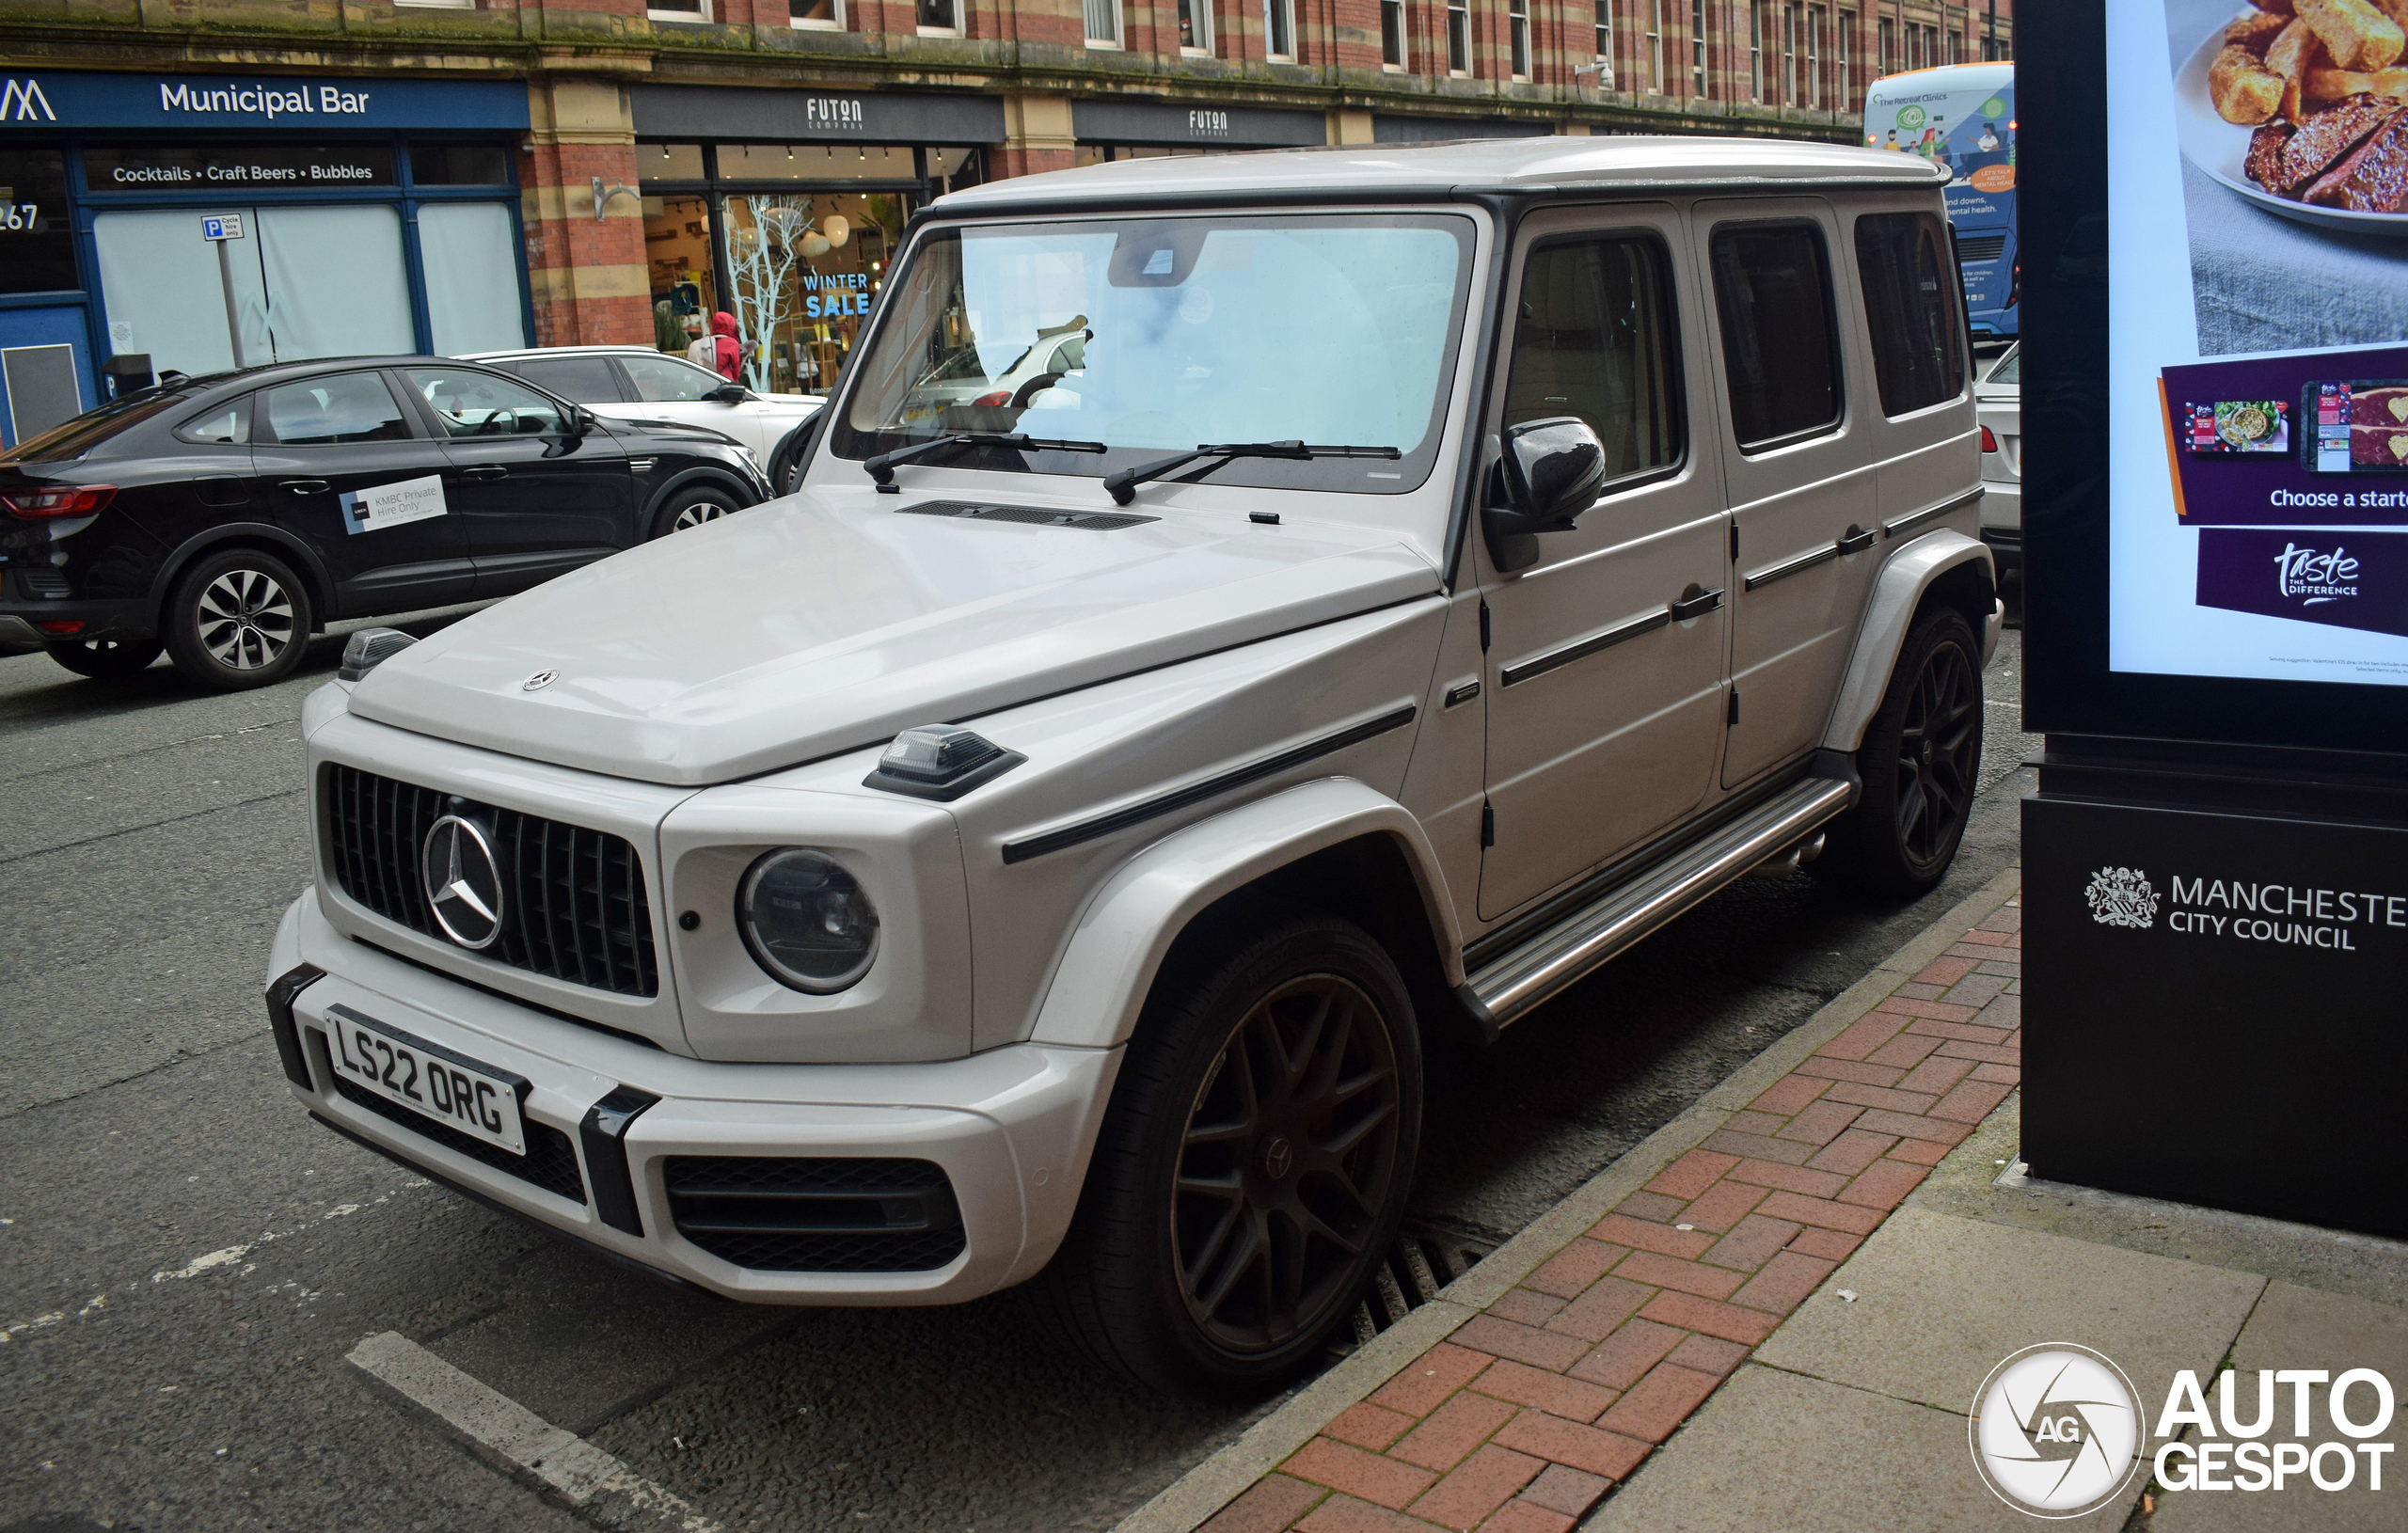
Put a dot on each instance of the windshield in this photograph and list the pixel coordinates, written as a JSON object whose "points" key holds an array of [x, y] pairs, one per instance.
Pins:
{"points": [[1158, 335]]}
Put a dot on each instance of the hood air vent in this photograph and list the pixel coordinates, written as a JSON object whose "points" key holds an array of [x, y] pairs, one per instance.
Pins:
{"points": [[1090, 521]]}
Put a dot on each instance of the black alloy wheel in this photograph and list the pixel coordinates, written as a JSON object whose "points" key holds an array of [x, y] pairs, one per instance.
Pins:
{"points": [[1921, 762], [237, 619], [1253, 1166], [1289, 1154], [106, 659], [1938, 753], [690, 507]]}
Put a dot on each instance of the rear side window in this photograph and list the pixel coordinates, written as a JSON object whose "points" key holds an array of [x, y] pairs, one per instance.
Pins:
{"points": [[586, 380], [228, 425], [1910, 296], [1597, 340], [1781, 355], [327, 412]]}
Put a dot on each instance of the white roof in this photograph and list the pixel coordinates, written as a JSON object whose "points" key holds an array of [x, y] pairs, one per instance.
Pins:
{"points": [[1618, 163]]}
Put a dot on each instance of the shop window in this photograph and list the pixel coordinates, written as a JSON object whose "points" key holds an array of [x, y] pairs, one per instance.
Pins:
{"points": [[1194, 26], [1596, 339], [1458, 37], [1392, 53], [37, 243], [819, 15], [668, 161], [1102, 22], [469, 251], [942, 18], [1910, 286], [472, 401], [678, 11], [459, 164], [802, 269], [1518, 16], [333, 412], [1780, 359], [1280, 30]]}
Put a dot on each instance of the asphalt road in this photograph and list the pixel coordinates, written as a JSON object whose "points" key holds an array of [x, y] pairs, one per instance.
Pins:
{"points": [[185, 1258]]}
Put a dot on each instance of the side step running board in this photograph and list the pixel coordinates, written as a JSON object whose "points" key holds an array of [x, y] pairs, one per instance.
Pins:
{"points": [[1502, 992]]}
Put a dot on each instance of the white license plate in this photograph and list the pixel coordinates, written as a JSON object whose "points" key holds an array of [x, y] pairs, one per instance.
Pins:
{"points": [[428, 1078]]}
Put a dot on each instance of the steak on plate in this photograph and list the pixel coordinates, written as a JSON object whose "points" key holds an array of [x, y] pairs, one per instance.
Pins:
{"points": [[2372, 178], [2326, 136]]}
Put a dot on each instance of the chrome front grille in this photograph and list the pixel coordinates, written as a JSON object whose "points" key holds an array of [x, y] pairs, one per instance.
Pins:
{"points": [[575, 906]]}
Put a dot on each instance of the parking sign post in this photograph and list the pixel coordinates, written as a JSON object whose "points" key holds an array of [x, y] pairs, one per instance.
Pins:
{"points": [[222, 230]]}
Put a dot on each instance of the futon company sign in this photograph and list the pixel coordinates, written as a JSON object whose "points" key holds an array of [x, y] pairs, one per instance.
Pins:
{"points": [[50, 99]]}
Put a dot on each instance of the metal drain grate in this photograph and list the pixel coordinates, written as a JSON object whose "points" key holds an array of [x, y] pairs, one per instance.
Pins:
{"points": [[1423, 1260]]}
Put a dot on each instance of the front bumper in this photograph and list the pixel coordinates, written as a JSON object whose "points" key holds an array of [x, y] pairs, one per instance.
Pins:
{"points": [[1011, 1128]]}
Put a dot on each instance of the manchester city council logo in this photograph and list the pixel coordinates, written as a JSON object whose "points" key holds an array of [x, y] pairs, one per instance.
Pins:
{"points": [[2056, 1431], [2122, 897]]}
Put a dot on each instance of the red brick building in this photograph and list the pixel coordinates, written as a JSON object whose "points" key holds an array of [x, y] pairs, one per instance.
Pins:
{"points": [[722, 136]]}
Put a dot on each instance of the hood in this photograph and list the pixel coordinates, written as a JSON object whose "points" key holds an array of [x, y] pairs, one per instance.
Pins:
{"points": [[817, 625], [723, 324]]}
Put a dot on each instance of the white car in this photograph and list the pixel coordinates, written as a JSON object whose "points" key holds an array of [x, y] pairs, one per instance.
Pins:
{"points": [[1998, 404], [636, 383], [1039, 854]]}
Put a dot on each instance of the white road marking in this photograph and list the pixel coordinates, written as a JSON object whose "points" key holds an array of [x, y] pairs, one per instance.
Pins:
{"points": [[582, 1472]]}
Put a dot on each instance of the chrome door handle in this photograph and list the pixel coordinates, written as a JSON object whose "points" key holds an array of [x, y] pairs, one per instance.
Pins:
{"points": [[485, 471], [1697, 606], [303, 487]]}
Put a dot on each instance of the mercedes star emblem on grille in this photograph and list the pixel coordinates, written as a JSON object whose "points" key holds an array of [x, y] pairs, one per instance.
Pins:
{"points": [[537, 682], [462, 882]]}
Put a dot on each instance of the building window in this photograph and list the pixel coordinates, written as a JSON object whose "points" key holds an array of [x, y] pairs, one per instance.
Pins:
{"points": [[1517, 17], [1756, 50], [1697, 49], [1655, 46], [1606, 39], [943, 17], [1104, 22], [1194, 26], [1278, 29], [1392, 53], [1844, 97], [1791, 23], [1885, 39], [678, 11], [1458, 37], [817, 15]]}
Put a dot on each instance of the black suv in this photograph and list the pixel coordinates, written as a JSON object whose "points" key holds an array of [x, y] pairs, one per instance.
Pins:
{"points": [[224, 518]]}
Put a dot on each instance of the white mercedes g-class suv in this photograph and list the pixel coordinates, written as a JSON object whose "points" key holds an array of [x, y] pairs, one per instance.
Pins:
{"points": [[1041, 845]]}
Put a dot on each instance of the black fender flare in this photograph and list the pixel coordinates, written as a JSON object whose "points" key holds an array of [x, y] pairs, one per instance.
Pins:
{"points": [[685, 479], [292, 549]]}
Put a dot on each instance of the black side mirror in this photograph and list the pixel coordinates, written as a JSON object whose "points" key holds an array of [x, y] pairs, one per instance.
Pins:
{"points": [[581, 422], [1547, 475], [729, 393]]}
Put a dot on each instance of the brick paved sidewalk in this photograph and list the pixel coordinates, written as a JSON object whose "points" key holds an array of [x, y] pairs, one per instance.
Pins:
{"points": [[1536, 1406]]}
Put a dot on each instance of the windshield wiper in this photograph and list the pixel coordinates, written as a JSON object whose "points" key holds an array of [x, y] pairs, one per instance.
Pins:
{"points": [[1123, 485], [882, 468]]}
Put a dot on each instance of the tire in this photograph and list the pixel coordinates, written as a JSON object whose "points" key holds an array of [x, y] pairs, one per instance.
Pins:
{"points": [[237, 619], [1920, 761], [691, 507], [1215, 1157], [106, 659]]}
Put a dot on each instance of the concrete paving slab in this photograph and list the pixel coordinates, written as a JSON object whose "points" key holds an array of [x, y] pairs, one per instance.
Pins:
{"points": [[2300, 1328], [1942, 1301], [1776, 1450]]}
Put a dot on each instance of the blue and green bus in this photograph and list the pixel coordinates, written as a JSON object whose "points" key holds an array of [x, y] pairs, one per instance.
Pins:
{"points": [[1962, 116]]}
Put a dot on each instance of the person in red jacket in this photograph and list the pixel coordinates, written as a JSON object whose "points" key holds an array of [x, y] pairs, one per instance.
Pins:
{"points": [[728, 351]]}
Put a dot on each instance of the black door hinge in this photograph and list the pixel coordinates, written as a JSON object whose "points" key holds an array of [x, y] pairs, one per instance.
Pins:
{"points": [[1488, 824], [1734, 543], [1734, 707], [1483, 628]]}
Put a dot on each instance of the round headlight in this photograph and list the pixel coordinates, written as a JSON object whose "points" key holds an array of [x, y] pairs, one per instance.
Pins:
{"points": [[807, 921]]}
